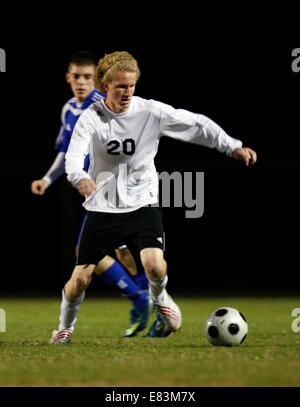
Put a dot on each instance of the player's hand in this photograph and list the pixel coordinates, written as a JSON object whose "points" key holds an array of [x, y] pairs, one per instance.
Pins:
{"points": [[86, 187], [245, 154], [39, 186]]}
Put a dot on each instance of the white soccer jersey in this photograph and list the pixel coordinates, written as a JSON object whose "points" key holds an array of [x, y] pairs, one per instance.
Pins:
{"points": [[122, 147]]}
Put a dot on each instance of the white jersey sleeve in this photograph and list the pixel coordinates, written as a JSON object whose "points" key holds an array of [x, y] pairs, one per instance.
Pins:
{"points": [[78, 149], [195, 128]]}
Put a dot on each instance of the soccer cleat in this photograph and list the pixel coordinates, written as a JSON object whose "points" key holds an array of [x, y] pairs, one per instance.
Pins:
{"points": [[138, 319], [159, 328], [62, 336], [169, 311]]}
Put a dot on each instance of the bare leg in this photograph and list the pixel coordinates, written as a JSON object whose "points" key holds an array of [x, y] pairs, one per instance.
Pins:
{"points": [[125, 257], [103, 265], [156, 269], [169, 314], [79, 281], [73, 295]]}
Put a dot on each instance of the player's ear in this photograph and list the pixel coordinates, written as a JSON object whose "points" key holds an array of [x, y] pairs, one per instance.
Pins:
{"points": [[104, 86], [68, 77]]}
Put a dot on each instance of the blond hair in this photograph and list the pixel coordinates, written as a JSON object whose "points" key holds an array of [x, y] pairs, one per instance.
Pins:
{"points": [[112, 63]]}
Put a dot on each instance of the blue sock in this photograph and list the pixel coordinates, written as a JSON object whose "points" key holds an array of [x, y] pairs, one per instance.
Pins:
{"points": [[116, 275], [142, 281]]}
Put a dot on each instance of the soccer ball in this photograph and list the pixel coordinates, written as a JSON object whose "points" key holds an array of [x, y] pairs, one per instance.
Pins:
{"points": [[226, 327]]}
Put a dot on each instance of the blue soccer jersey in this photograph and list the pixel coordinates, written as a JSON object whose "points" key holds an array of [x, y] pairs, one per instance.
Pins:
{"points": [[70, 114]]}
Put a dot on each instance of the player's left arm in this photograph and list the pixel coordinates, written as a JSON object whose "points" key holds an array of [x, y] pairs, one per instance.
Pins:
{"points": [[245, 154], [199, 129]]}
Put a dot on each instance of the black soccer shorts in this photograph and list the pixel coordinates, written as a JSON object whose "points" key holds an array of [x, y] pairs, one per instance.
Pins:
{"points": [[104, 231]]}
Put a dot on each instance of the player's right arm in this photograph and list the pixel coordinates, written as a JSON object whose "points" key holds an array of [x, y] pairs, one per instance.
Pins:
{"points": [[86, 186], [39, 186], [77, 151], [57, 169]]}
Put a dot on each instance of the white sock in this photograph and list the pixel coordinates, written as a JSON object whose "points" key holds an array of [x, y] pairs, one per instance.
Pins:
{"points": [[68, 312], [157, 288]]}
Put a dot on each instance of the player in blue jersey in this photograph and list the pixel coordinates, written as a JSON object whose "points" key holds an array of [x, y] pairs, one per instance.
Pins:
{"points": [[80, 76]]}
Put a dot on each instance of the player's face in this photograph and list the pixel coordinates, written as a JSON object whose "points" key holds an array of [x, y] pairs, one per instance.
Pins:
{"points": [[81, 80], [120, 91]]}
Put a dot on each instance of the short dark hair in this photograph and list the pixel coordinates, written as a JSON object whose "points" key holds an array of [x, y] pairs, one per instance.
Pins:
{"points": [[82, 58]]}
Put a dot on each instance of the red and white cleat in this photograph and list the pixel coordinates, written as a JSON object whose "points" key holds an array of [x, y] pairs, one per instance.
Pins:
{"points": [[62, 336], [169, 311]]}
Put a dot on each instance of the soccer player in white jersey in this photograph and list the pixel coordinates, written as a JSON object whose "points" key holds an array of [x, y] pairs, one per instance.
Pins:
{"points": [[121, 133], [80, 76]]}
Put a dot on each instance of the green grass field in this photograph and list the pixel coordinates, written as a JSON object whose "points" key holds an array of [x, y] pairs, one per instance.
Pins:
{"points": [[99, 356]]}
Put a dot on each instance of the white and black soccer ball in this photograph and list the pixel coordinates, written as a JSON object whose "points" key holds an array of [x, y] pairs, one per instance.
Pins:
{"points": [[226, 326]]}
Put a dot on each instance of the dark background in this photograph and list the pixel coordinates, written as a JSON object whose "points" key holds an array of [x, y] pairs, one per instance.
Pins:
{"points": [[247, 241]]}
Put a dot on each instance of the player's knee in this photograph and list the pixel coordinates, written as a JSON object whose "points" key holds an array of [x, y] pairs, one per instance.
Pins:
{"points": [[155, 268], [82, 281]]}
